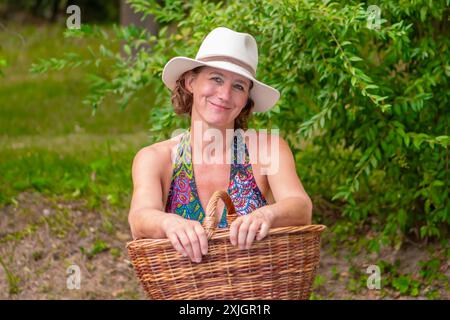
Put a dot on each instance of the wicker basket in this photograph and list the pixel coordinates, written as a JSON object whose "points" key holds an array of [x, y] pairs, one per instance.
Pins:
{"points": [[281, 266]]}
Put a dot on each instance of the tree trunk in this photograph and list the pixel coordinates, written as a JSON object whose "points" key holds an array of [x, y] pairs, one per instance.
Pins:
{"points": [[129, 17]]}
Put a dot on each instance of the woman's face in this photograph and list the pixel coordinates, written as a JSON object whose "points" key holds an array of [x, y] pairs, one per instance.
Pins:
{"points": [[218, 96]]}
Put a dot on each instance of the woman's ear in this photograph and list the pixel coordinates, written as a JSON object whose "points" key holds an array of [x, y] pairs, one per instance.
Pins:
{"points": [[190, 77]]}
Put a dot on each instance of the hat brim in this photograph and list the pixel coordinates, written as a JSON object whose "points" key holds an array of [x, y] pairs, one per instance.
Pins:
{"points": [[264, 96]]}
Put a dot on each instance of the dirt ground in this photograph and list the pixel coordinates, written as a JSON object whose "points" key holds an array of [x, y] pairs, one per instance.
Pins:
{"points": [[40, 238]]}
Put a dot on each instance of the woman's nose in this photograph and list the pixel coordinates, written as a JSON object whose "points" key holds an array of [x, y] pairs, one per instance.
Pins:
{"points": [[224, 92]]}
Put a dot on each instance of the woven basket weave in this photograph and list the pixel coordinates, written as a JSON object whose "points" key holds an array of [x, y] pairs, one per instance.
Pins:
{"points": [[281, 266]]}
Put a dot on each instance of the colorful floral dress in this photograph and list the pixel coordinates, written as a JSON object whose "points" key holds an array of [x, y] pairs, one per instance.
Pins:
{"points": [[183, 198]]}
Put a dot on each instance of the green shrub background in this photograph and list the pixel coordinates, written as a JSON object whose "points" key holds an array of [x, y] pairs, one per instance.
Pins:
{"points": [[364, 109]]}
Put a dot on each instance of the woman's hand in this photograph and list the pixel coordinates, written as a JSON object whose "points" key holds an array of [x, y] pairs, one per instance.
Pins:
{"points": [[187, 236], [244, 229]]}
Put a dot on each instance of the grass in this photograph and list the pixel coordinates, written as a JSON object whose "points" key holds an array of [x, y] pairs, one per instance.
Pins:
{"points": [[49, 140], [51, 143], [13, 280], [98, 170]]}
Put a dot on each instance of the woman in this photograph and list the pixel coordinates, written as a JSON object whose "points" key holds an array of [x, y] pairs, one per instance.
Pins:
{"points": [[219, 91]]}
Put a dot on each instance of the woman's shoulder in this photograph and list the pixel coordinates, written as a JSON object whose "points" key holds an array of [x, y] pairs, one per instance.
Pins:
{"points": [[159, 152]]}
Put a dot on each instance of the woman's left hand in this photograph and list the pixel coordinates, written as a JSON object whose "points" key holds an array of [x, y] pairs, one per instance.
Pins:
{"points": [[244, 229]]}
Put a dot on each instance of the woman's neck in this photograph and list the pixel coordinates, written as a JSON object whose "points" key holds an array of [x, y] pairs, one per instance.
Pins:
{"points": [[211, 144]]}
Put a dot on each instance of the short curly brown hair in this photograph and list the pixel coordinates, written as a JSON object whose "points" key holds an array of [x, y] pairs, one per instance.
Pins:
{"points": [[182, 101]]}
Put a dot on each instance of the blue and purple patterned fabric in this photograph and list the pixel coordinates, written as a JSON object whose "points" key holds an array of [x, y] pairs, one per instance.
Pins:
{"points": [[243, 190]]}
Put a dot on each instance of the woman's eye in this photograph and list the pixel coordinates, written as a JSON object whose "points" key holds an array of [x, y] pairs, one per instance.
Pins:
{"points": [[219, 80]]}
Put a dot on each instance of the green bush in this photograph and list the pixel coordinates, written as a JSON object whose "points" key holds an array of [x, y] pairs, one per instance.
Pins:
{"points": [[365, 109]]}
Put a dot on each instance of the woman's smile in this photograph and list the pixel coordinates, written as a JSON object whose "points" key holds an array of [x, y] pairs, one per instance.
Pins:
{"points": [[218, 107]]}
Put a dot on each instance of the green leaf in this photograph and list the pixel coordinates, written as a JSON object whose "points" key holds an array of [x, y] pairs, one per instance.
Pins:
{"points": [[355, 58], [371, 86], [127, 49]]}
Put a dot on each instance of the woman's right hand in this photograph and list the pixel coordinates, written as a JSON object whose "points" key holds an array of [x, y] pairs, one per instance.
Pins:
{"points": [[188, 237]]}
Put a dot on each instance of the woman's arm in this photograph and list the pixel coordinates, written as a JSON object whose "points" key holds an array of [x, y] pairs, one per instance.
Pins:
{"points": [[146, 209], [292, 204], [146, 216]]}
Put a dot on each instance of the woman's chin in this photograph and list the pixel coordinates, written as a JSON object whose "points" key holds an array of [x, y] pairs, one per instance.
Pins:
{"points": [[217, 120]]}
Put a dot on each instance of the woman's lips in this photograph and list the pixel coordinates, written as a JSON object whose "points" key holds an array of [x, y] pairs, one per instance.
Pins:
{"points": [[218, 106]]}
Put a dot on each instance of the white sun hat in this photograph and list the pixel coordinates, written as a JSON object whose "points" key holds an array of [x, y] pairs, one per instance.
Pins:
{"points": [[228, 50]]}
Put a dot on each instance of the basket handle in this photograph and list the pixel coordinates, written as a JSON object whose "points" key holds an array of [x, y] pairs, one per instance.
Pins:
{"points": [[210, 221]]}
